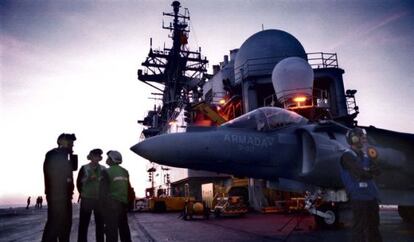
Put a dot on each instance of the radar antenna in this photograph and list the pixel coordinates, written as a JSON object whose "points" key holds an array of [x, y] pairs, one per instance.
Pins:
{"points": [[180, 71]]}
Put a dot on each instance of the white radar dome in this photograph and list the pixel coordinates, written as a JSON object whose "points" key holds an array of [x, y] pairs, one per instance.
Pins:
{"points": [[291, 77]]}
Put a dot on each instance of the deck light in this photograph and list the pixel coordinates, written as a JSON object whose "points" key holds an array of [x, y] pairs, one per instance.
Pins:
{"points": [[299, 99]]}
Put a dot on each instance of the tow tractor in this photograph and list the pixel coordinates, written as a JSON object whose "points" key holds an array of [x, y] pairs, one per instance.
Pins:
{"points": [[192, 208], [195, 209], [230, 206], [159, 200]]}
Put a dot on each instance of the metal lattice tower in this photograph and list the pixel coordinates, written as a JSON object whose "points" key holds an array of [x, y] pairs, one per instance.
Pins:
{"points": [[179, 70]]}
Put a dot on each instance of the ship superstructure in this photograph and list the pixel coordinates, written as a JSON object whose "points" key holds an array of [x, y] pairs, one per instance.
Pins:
{"points": [[250, 77], [178, 70]]}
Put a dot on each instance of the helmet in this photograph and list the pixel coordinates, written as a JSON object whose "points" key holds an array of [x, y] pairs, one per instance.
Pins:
{"points": [[94, 152], [63, 136], [353, 136], [115, 156]]}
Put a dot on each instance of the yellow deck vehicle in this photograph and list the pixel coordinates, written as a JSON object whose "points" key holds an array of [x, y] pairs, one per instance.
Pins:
{"points": [[166, 204], [195, 209], [230, 206]]}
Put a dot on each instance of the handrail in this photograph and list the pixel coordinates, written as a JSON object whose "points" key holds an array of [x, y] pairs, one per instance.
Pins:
{"points": [[322, 60], [316, 60]]}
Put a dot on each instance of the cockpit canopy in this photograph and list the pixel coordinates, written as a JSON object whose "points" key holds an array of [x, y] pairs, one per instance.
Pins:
{"points": [[266, 119]]}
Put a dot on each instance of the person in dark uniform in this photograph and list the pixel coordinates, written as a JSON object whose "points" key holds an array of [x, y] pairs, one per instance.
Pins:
{"points": [[114, 194], [28, 203], [357, 173], [57, 168], [40, 201], [87, 183], [37, 203]]}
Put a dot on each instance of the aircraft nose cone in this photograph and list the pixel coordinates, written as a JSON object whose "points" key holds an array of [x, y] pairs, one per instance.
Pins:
{"points": [[177, 149], [145, 149]]}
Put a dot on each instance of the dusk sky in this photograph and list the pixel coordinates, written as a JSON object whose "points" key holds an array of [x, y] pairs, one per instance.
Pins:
{"points": [[70, 66]]}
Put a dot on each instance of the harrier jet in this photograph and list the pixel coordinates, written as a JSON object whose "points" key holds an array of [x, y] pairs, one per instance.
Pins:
{"points": [[290, 152]]}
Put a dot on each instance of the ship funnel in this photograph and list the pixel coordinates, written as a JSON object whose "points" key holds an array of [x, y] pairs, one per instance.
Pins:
{"points": [[292, 80]]}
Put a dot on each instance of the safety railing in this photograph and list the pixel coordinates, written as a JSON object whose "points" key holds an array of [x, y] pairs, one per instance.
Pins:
{"points": [[322, 60], [264, 66]]}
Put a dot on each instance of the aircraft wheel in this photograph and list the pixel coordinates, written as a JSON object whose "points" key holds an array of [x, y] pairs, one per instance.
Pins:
{"points": [[406, 213], [328, 223]]}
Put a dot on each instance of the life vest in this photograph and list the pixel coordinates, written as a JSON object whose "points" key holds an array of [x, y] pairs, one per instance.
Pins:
{"points": [[90, 181], [118, 183], [362, 190]]}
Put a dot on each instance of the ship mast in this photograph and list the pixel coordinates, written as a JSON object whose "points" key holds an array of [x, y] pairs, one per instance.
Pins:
{"points": [[180, 71]]}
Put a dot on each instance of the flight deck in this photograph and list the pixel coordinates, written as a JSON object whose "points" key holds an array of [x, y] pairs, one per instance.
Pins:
{"points": [[27, 225]]}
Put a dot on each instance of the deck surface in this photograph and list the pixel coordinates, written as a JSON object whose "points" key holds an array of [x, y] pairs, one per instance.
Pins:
{"points": [[27, 225]]}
